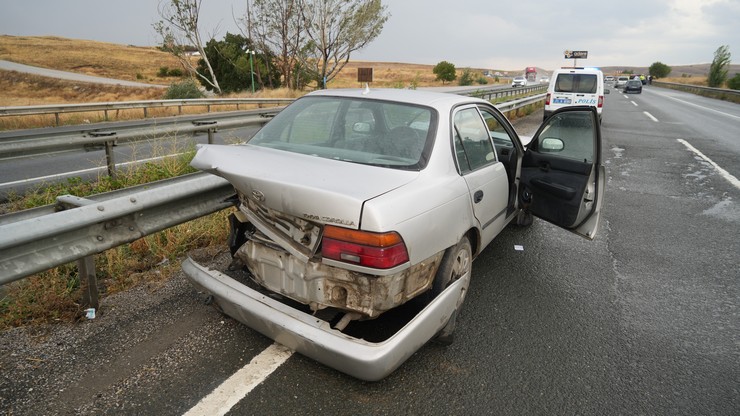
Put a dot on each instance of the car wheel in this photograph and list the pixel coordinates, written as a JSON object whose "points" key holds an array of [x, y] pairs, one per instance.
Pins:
{"points": [[457, 261]]}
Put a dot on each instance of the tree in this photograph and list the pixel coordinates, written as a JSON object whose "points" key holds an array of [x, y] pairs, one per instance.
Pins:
{"points": [[445, 72], [276, 28], [230, 63], [659, 70], [718, 68], [335, 29], [179, 30], [734, 82]]}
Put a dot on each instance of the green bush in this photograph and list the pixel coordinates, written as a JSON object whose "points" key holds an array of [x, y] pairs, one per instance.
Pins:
{"points": [[466, 78], [183, 90], [734, 82], [163, 70], [175, 72], [482, 81]]}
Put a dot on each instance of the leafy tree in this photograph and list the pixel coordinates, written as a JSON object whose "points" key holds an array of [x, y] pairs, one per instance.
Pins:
{"points": [[734, 82], [335, 29], [659, 70], [718, 68], [445, 72], [180, 30], [275, 27], [229, 62]]}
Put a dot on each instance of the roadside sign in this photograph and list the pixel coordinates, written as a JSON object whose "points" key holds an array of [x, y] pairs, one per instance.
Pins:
{"points": [[364, 75], [575, 54]]}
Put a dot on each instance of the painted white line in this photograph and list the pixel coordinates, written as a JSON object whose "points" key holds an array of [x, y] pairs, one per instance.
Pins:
{"points": [[236, 387], [700, 106], [733, 180], [634, 103], [626, 96], [650, 116]]}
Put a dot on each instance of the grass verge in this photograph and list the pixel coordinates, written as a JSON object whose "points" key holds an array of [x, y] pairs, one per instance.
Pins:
{"points": [[55, 295]]}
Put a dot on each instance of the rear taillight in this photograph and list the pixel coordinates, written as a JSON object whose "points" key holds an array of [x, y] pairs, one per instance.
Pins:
{"points": [[376, 250], [547, 99], [601, 101]]}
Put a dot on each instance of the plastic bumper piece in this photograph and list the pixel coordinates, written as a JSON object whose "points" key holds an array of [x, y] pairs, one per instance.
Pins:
{"points": [[314, 337]]}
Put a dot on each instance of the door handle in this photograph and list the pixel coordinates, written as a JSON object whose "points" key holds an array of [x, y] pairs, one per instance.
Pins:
{"points": [[477, 196]]}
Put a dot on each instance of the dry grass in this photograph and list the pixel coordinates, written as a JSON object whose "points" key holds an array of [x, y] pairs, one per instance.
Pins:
{"points": [[393, 75], [139, 64], [88, 57]]}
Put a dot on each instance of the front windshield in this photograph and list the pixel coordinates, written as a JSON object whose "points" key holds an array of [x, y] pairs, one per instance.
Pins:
{"points": [[381, 133]]}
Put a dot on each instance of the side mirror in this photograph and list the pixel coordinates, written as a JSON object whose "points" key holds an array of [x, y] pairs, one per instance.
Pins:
{"points": [[551, 144]]}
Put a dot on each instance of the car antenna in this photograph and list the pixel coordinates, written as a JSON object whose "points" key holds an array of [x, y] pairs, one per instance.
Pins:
{"points": [[367, 89]]}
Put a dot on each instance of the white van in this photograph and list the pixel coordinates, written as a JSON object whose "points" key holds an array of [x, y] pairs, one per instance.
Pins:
{"points": [[575, 86]]}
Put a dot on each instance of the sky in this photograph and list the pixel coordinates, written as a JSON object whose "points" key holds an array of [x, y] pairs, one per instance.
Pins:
{"points": [[487, 34]]}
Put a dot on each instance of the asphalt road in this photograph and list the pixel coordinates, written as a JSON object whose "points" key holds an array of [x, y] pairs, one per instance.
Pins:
{"points": [[642, 320], [71, 76]]}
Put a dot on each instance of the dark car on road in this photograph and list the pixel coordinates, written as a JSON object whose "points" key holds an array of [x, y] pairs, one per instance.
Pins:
{"points": [[633, 85]]}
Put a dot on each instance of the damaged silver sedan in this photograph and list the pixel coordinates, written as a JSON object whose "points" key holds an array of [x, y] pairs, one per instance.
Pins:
{"points": [[354, 203]]}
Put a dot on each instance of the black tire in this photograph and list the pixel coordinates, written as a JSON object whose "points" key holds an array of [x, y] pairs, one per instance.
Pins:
{"points": [[456, 262]]}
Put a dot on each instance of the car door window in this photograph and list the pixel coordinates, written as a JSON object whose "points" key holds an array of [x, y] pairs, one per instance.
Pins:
{"points": [[473, 146], [569, 135]]}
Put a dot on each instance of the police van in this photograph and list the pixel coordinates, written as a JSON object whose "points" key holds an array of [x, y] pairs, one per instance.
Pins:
{"points": [[575, 86]]}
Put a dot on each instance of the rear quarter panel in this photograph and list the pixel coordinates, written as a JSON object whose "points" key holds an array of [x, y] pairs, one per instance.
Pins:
{"points": [[430, 213]]}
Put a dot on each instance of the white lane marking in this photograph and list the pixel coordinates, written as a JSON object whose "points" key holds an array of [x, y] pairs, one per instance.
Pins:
{"points": [[79, 172], [650, 116], [236, 387], [634, 103], [700, 106], [626, 96], [733, 180]]}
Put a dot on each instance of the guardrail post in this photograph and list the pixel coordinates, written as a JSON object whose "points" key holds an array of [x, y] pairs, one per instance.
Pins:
{"points": [[56, 117], [106, 114], [145, 113], [88, 282], [210, 136], [109, 159]]}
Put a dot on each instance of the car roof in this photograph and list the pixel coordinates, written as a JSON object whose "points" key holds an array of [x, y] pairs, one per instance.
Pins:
{"points": [[418, 97]]}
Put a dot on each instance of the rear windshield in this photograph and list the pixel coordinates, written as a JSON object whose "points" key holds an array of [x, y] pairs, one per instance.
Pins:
{"points": [[580, 83], [379, 133]]}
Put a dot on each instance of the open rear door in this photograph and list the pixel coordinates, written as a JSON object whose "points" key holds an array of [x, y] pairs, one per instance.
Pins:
{"points": [[562, 178]]}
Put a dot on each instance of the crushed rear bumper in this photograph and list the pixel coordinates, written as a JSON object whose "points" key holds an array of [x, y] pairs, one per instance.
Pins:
{"points": [[315, 338]]}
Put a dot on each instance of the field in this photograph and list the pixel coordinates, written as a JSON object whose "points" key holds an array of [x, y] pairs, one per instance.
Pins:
{"points": [[140, 64]]}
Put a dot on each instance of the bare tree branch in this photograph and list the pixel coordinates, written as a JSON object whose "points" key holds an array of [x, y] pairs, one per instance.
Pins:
{"points": [[179, 30]]}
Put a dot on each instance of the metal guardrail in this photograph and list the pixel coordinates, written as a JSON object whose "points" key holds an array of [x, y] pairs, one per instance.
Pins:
{"points": [[496, 93], [145, 105], [107, 138], [720, 93], [76, 228]]}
